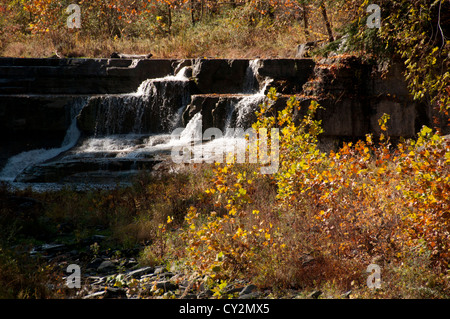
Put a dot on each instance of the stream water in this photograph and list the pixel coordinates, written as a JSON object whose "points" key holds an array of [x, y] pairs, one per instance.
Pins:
{"points": [[131, 129]]}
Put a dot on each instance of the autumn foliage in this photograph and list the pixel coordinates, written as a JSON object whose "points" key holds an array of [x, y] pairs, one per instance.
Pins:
{"points": [[336, 211]]}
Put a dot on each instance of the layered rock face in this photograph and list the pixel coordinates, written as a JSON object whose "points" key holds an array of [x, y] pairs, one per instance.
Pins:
{"points": [[37, 95], [355, 95], [41, 98]]}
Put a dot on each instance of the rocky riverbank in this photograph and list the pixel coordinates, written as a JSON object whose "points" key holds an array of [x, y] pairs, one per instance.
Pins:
{"points": [[116, 273]]}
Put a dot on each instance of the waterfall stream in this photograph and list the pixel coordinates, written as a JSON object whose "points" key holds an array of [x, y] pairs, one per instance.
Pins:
{"points": [[19, 162], [128, 129]]}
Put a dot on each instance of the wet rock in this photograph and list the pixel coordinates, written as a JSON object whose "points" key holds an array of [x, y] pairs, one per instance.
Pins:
{"points": [[178, 65], [215, 108], [149, 112]]}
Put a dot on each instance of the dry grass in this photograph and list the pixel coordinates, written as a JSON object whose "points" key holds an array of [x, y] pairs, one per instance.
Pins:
{"points": [[231, 34]]}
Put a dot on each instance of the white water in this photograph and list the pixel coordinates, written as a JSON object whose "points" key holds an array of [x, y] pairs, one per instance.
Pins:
{"points": [[135, 145], [250, 80], [19, 162], [226, 142]]}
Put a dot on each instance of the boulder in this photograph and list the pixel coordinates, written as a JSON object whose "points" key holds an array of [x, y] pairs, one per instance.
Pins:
{"points": [[304, 49]]}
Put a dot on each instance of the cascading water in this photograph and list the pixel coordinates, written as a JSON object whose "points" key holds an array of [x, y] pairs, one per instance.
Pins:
{"points": [[126, 131], [18, 163], [240, 114], [250, 81], [129, 125], [153, 108]]}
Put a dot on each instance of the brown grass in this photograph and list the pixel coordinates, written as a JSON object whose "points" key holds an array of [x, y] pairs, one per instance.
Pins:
{"points": [[227, 35]]}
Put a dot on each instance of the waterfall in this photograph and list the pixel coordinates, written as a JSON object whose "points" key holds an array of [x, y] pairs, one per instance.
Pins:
{"points": [[19, 162], [141, 127], [240, 114], [250, 81], [130, 126], [155, 107]]}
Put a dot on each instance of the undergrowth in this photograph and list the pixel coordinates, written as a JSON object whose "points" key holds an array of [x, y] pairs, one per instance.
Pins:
{"points": [[324, 217], [318, 222]]}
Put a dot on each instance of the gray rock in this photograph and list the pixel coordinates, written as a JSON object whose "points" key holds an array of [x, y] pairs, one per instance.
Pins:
{"points": [[347, 294], [139, 272], [52, 247], [315, 294], [115, 293], [304, 49], [95, 263], [95, 295], [117, 55], [205, 294], [219, 75], [160, 270], [106, 265], [248, 289], [252, 295], [233, 290]]}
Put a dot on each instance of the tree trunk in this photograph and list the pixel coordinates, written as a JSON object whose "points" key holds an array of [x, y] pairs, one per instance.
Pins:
{"points": [[169, 14], [305, 21], [323, 9], [192, 11]]}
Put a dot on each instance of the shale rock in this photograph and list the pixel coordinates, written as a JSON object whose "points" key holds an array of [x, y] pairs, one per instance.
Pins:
{"points": [[219, 76]]}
